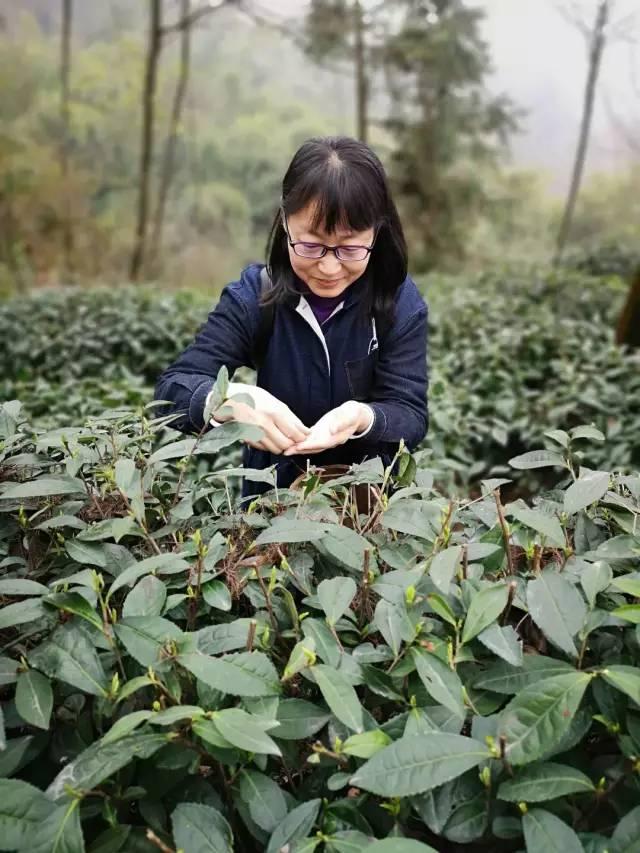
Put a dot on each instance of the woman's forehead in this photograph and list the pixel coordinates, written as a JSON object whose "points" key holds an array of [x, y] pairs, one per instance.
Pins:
{"points": [[304, 219]]}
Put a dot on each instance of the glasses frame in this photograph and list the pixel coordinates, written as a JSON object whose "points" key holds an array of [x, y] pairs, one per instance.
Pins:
{"points": [[325, 248]]}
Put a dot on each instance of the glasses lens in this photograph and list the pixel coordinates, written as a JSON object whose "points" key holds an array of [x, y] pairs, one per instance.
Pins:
{"points": [[352, 253], [309, 250]]}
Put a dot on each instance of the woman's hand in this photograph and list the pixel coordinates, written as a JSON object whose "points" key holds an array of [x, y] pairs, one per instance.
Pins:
{"points": [[334, 428], [282, 429]]}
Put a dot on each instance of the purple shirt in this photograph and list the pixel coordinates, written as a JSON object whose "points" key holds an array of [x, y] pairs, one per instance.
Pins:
{"points": [[322, 306]]}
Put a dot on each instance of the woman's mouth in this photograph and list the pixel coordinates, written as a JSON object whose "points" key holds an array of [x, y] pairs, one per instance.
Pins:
{"points": [[329, 282]]}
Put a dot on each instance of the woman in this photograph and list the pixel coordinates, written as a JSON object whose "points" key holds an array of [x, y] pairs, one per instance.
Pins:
{"points": [[343, 375]]}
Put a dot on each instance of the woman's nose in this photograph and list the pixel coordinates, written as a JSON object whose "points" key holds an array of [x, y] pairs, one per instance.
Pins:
{"points": [[329, 265]]}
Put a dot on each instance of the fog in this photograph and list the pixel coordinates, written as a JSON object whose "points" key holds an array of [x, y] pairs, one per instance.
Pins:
{"points": [[541, 59]]}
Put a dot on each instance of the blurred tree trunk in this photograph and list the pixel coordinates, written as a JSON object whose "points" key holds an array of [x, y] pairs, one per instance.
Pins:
{"points": [[598, 37], [65, 71], [362, 83], [168, 164], [146, 154], [628, 331], [344, 30]]}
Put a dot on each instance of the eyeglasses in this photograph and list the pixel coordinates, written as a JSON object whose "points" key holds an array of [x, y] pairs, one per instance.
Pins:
{"points": [[319, 250]]}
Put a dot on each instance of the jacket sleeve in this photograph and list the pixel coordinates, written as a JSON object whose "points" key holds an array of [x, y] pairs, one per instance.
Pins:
{"points": [[399, 396], [226, 338]]}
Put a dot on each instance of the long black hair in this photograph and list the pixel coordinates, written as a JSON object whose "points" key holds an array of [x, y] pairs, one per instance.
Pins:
{"points": [[346, 181]]}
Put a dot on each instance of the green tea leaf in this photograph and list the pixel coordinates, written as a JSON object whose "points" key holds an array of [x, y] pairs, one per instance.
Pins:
{"points": [[585, 491], [441, 606], [34, 698], [348, 841], [21, 612], [60, 832], [411, 517], [344, 547], [544, 781], [366, 744], [199, 828], [86, 553], [484, 609], [73, 602], [441, 682], [8, 670], [69, 656], [504, 678], [503, 642], [335, 596], [144, 636], [297, 825], [147, 598], [299, 719], [399, 845], [43, 487], [339, 696], [628, 585], [594, 578], [22, 586], [244, 731], [588, 432], [264, 799], [125, 725], [101, 760], [546, 833], [537, 459], [216, 594], [327, 647], [415, 764], [292, 530], [174, 450], [245, 674], [443, 567], [388, 620], [547, 525], [175, 714], [557, 608], [161, 563], [540, 715], [625, 679], [626, 835], [22, 810], [629, 612]]}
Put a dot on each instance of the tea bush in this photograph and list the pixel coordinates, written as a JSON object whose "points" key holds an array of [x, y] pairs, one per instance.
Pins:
{"points": [[510, 357], [612, 258], [182, 672]]}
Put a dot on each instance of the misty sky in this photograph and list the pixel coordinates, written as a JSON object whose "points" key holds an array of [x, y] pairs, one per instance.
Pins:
{"points": [[540, 59]]}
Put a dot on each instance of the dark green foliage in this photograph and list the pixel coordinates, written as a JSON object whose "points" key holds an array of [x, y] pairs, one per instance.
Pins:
{"points": [[511, 357], [180, 672], [606, 259]]}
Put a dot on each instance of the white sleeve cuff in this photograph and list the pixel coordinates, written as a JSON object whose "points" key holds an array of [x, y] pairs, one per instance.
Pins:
{"points": [[365, 431], [212, 421]]}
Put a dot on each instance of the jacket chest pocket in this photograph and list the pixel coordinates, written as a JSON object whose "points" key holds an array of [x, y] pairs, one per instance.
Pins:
{"points": [[361, 376]]}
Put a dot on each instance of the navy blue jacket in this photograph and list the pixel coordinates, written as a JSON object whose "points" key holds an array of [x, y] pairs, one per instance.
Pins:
{"points": [[312, 370]]}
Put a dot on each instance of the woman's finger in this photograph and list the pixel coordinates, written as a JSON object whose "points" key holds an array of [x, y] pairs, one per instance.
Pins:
{"points": [[343, 435], [343, 418], [313, 444], [277, 438], [290, 426]]}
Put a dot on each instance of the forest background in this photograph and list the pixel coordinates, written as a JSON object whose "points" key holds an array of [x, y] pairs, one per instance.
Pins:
{"points": [[134, 147]]}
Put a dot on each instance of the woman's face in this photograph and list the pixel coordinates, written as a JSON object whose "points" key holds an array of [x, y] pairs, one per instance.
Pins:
{"points": [[326, 276]]}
